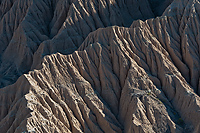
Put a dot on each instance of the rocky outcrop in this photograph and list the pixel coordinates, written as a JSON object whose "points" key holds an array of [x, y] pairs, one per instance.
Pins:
{"points": [[142, 78]]}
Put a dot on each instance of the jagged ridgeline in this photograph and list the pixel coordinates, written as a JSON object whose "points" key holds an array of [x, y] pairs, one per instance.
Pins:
{"points": [[34, 28], [100, 66]]}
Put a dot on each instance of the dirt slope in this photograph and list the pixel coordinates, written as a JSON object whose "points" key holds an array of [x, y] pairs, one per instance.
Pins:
{"points": [[142, 78], [50, 26]]}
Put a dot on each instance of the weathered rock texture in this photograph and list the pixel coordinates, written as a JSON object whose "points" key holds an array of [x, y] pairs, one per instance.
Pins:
{"points": [[35, 28], [142, 78]]}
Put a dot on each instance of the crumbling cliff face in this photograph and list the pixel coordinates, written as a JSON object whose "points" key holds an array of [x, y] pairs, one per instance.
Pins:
{"points": [[100, 66]]}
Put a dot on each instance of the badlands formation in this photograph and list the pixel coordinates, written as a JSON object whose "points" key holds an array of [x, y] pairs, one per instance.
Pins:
{"points": [[100, 66]]}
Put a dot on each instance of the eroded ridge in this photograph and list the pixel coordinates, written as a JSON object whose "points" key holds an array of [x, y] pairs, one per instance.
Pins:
{"points": [[110, 85], [139, 79], [31, 29]]}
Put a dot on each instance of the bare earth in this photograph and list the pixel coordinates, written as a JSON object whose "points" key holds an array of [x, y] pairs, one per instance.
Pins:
{"points": [[100, 66]]}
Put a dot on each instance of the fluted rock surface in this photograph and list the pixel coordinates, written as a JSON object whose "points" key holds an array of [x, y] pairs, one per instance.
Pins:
{"points": [[142, 78], [50, 26]]}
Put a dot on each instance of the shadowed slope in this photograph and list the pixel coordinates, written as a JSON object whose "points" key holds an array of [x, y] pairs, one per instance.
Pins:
{"points": [[55, 26], [109, 83], [139, 79], [177, 31]]}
